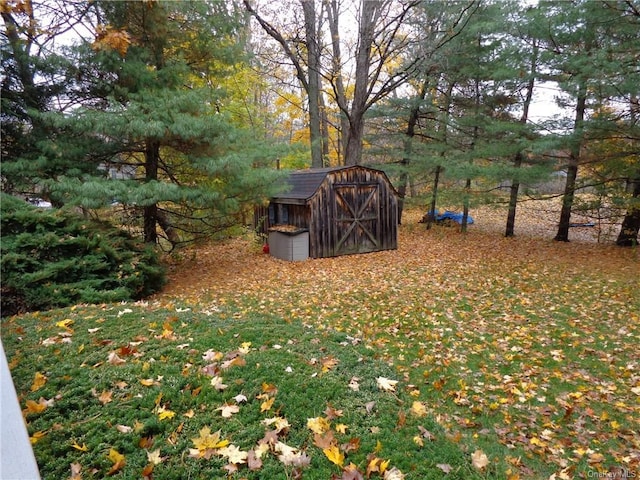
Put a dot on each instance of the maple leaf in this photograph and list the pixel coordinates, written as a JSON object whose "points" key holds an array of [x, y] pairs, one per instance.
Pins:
{"points": [[324, 441], [354, 384], [212, 356], [76, 469], [279, 422], [376, 464], [334, 455], [266, 405], [331, 413], [118, 461], [328, 363], [233, 454], [240, 398], [154, 457], [39, 380], [66, 323], [253, 461], [445, 467], [341, 428], [419, 409], [164, 413], [207, 440], [35, 438], [479, 459], [291, 456], [228, 411], [105, 397], [386, 385], [114, 359], [81, 448], [318, 425], [216, 382], [393, 474], [234, 362], [124, 428], [351, 472], [35, 407]]}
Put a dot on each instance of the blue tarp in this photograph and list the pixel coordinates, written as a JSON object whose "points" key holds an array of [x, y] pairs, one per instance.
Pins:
{"points": [[454, 216]]}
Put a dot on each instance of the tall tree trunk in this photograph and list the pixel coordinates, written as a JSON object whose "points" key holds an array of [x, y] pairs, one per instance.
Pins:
{"points": [[513, 198], [369, 15], [443, 134], [465, 206], [313, 73], [628, 236], [572, 168], [517, 161], [414, 114], [431, 214], [152, 160], [336, 74]]}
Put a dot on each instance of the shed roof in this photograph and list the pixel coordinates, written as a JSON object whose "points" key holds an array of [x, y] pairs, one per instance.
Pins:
{"points": [[305, 183]]}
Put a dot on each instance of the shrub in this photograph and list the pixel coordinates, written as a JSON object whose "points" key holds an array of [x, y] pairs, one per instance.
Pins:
{"points": [[53, 258]]}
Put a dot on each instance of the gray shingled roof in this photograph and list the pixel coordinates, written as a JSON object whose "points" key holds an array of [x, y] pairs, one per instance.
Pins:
{"points": [[304, 183]]}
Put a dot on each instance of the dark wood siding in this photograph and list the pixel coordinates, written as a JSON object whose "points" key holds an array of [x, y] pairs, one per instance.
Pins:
{"points": [[352, 210]]}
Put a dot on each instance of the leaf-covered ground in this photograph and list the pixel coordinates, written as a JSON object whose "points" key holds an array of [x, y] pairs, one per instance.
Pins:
{"points": [[528, 339], [455, 356]]}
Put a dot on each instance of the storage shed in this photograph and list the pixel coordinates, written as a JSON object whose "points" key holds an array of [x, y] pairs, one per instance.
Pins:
{"points": [[341, 210]]}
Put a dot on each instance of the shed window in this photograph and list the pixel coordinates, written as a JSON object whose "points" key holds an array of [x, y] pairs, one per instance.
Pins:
{"points": [[278, 214]]}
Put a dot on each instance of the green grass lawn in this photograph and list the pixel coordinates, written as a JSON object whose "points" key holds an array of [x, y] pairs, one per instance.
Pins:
{"points": [[452, 357]]}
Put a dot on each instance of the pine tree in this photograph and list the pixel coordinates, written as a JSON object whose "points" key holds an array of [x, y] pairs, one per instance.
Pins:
{"points": [[155, 119]]}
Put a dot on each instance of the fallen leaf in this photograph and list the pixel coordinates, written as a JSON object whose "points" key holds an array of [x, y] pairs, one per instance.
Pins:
{"points": [[105, 397], [36, 437], [266, 405], [81, 448], [228, 411], [76, 469], [39, 380], [35, 407], [479, 459], [419, 409], [393, 474], [445, 467], [118, 461], [253, 461], [164, 413], [124, 428], [318, 425], [233, 454], [334, 455], [154, 457], [207, 440], [354, 384], [114, 359], [386, 384]]}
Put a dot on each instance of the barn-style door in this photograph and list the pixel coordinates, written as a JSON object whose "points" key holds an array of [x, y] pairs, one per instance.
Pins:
{"points": [[356, 216]]}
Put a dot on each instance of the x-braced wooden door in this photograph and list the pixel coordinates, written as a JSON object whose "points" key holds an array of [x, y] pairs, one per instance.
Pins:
{"points": [[356, 215]]}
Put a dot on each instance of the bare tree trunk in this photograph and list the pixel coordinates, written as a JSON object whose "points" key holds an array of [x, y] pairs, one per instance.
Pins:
{"points": [[517, 161], [336, 75], [628, 236], [513, 198], [151, 162], [414, 114], [431, 214], [572, 169], [313, 74], [370, 12]]}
